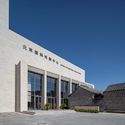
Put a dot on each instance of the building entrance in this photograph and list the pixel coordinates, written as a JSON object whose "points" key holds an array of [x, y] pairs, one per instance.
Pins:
{"points": [[38, 100], [35, 91], [52, 102], [52, 92]]}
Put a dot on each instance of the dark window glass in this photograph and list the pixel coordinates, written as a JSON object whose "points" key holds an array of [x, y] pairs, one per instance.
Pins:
{"points": [[51, 92], [51, 87], [64, 89], [74, 87], [34, 90]]}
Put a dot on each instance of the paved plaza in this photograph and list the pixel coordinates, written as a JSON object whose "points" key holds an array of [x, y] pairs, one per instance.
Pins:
{"points": [[62, 118]]}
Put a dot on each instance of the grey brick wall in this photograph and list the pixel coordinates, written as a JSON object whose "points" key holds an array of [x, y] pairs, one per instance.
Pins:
{"points": [[81, 97], [114, 100]]}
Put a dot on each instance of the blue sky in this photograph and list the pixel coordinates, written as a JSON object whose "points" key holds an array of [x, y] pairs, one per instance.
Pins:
{"points": [[89, 33]]}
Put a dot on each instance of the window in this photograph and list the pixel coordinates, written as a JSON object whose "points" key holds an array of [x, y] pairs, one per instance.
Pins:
{"points": [[25, 47], [35, 83], [52, 92], [74, 87], [64, 89], [36, 52], [51, 86], [30, 49], [64, 92], [57, 62], [41, 54]]}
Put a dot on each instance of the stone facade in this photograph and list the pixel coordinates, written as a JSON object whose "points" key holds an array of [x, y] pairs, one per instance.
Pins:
{"points": [[19, 55]]}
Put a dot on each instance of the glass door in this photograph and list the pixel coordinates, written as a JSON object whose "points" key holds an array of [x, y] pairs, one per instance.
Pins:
{"points": [[38, 100], [34, 91], [52, 92], [52, 102]]}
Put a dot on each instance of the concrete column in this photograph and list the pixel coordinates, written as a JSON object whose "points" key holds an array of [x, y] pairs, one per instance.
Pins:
{"points": [[45, 88], [21, 89], [17, 87], [59, 92], [24, 87], [70, 86]]}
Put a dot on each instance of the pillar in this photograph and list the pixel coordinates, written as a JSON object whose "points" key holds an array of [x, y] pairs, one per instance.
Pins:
{"points": [[59, 92], [45, 89], [21, 87], [70, 86]]}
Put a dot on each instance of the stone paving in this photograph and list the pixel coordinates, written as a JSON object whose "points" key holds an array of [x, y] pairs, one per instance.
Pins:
{"points": [[62, 118]]}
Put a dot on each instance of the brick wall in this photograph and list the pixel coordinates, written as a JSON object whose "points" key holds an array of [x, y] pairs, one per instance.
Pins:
{"points": [[114, 101], [81, 97]]}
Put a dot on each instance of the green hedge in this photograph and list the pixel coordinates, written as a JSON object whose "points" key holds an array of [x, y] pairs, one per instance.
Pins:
{"points": [[87, 110], [64, 106], [47, 106]]}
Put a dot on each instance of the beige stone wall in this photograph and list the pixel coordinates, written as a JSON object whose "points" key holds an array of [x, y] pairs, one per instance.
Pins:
{"points": [[4, 14], [12, 52]]}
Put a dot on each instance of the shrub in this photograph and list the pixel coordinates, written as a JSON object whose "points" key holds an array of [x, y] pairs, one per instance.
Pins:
{"points": [[87, 110], [64, 106], [47, 106]]}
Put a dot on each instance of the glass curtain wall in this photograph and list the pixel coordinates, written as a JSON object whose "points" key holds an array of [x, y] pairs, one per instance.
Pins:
{"points": [[65, 90], [52, 92], [35, 82]]}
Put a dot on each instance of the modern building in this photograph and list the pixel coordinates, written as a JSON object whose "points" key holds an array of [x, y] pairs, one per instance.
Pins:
{"points": [[31, 76]]}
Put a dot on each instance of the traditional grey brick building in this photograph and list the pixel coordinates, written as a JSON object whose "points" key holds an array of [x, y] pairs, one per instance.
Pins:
{"points": [[111, 100], [84, 96], [114, 98]]}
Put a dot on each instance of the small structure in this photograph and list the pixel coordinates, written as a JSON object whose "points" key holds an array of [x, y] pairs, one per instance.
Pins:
{"points": [[111, 100], [84, 96], [114, 98]]}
